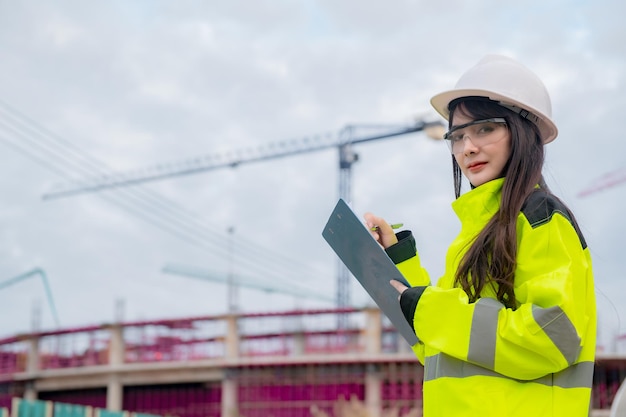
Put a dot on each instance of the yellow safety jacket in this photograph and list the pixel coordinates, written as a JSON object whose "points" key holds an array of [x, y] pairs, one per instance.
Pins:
{"points": [[482, 359]]}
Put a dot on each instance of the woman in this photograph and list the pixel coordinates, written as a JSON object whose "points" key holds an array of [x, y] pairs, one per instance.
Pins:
{"points": [[510, 327]]}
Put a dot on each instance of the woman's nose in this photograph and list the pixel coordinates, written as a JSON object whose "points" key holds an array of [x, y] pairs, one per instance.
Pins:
{"points": [[468, 146]]}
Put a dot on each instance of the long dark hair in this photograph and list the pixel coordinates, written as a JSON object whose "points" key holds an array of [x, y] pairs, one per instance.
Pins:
{"points": [[492, 257]]}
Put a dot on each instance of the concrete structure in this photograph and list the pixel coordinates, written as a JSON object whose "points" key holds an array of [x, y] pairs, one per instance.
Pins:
{"points": [[249, 364]]}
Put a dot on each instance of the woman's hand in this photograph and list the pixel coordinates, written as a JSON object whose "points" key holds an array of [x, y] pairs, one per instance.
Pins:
{"points": [[383, 233], [400, 287]]}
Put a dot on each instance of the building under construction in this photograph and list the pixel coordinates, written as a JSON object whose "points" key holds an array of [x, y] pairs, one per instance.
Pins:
{"points": [[277, 364], [271, 364]]}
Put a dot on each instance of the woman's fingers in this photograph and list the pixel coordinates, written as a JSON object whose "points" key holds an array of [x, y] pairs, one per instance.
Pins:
{"points": [[400, 287]]}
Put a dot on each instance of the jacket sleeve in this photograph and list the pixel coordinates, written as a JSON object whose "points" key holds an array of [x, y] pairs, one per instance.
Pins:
{"points": [[404, 255], [545, 333]]}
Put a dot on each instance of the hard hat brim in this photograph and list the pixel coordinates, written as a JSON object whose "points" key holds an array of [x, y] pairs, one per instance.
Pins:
{"points": [[440, 102]]}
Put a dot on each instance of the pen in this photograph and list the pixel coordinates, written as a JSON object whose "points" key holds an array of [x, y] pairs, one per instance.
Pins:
{"points": [[393, 226]]}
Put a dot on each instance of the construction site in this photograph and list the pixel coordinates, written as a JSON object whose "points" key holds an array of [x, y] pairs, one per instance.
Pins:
{"points": [[168, 168], [340, 361], [283, 364]]}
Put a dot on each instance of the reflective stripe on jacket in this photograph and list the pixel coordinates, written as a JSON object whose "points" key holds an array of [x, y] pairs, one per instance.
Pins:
{"points": [[482, 359]]}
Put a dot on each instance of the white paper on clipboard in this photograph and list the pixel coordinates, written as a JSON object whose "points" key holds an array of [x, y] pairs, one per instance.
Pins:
{"points": [[368, 262]]}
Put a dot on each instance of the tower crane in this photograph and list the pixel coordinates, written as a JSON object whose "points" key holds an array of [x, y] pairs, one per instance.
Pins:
{"points": [[214, 276], [44, 279], [344, 141], [608, 180]]}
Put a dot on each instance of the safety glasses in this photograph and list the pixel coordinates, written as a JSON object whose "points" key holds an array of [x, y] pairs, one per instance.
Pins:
{"points": [[480, 132]]}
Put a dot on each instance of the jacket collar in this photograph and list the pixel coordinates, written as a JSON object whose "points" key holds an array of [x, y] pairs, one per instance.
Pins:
{"points": [[480, 204]]}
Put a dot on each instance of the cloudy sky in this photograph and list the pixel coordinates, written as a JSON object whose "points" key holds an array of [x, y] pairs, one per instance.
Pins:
{"points": [[89, 87]]}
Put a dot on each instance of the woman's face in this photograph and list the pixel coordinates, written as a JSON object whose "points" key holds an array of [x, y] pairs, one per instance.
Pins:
{"points": [[483, 149]]}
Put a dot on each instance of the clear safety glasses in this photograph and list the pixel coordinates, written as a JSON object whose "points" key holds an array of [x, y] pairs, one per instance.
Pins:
{"points": [[480, 132]]}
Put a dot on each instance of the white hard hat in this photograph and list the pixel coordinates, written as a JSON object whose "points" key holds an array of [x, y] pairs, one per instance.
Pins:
{"points": [[509, 83]]}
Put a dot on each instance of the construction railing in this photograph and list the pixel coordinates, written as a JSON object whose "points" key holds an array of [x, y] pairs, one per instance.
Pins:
{"points": [[208, 337]]}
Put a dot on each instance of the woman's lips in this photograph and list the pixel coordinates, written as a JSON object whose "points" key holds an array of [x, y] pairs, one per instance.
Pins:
{"points": [[477, 166]]}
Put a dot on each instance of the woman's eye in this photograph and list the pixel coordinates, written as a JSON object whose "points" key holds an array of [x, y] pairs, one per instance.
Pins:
{"points": [[485, 129]]}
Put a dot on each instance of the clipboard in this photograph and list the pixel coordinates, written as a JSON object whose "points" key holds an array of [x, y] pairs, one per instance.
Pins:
{"points": [[368, 262]]}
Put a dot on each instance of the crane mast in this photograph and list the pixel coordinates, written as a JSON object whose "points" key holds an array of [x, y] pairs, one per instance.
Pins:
{"points": [[346, 158], [344, 141]]}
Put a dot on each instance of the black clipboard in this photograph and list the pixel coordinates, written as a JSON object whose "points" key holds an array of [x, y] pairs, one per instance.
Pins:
{"points": [[369, 264]]}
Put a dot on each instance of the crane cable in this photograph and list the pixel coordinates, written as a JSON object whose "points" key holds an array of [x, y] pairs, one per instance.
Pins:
{"points": [[65, 159]]}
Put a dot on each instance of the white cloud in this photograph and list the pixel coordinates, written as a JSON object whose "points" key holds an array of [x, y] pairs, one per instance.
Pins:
{"points": [[143, 83]]}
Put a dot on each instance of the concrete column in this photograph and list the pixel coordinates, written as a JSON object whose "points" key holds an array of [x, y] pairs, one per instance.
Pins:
{"points": [[299, 343], [229, 383], [373, 391], [115, 390], [373, 331], [116, 347], [232, 337], [32, 362], [229, 396], [403, 345], [30, 393], [114, 393], [32, 366]]}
